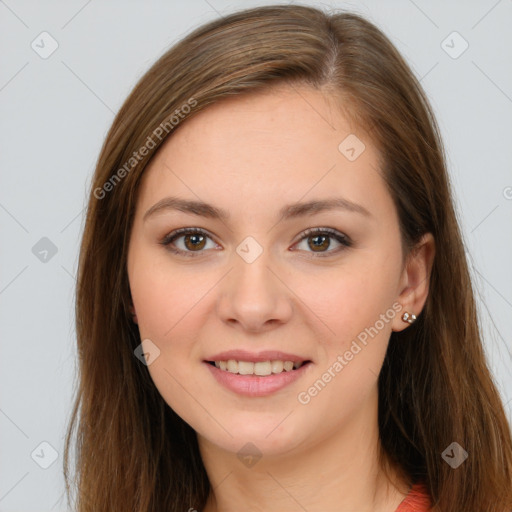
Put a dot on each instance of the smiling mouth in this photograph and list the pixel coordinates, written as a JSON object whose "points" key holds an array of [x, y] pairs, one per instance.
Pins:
{"points": [[259, 369]]}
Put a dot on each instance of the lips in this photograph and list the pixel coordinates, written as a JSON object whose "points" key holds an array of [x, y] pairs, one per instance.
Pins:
{"points": [[255, 385]]}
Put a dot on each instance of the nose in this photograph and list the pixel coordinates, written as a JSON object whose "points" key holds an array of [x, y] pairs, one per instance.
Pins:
{"points": [[254, 296]]}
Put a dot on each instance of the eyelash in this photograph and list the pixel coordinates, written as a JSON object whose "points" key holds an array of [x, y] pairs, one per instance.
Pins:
{"points": [[339, 237]]}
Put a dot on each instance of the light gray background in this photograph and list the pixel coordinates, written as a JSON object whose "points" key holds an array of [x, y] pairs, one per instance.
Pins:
{"points": [[55, 113]]}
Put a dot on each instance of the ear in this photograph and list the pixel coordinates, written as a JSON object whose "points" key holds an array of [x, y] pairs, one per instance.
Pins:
{"points": [[134, 315], [414, 282]]}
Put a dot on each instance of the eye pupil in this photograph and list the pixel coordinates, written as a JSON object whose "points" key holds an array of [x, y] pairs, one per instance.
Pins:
{"points": [[322, 245], [195, 237]]}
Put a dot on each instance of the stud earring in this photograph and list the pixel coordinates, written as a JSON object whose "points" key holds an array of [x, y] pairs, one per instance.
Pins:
{"points": [[408, 317]]}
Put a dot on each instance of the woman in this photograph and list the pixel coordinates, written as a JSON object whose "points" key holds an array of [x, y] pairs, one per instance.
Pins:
{"points": [[274, 309]]}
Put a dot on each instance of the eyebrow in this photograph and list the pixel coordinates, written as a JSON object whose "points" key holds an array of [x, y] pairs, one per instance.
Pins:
{"points": [[290, 211]]}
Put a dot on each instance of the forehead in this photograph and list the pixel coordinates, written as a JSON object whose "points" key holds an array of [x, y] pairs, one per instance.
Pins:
{"points": [[275, 146]]}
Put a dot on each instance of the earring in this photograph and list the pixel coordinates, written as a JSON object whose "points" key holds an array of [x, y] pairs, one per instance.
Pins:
{"points": [[408, 317]]}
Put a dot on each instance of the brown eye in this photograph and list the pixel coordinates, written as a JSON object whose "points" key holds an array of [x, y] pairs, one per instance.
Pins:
{"points": [[194, 241], [319, 240]]}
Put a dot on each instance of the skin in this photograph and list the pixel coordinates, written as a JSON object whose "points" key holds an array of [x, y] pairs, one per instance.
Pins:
{"points": [[251, 155]]}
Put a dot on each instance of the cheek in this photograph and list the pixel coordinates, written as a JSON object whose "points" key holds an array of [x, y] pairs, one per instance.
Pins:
{"points": [[351, 359], [164, 296], [170, 304], [355, 303], [168, 309], [348, 300]]}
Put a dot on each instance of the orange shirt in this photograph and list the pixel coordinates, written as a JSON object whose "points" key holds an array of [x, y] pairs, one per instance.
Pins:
{"points": [[417, 500]]}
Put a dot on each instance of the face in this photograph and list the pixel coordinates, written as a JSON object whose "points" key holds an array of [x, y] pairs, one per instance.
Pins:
{"points": [[257, 281]]}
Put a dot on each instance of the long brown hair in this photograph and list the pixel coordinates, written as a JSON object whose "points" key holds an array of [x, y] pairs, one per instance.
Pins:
{"points": [[132, 452]]}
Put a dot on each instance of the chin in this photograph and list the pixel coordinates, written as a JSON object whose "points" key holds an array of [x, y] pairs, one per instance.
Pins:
{"points": [[253, 433]]}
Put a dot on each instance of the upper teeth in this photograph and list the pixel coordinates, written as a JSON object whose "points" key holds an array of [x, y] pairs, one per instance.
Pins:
{"points": [[259, 368]]}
